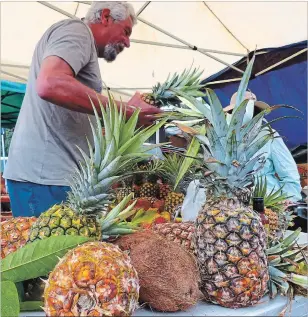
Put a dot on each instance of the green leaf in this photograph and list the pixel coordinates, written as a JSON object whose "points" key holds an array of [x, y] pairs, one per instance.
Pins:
{"points": [[9, 299], [192, 152], [38, 258], [244, 83], [31, 306], [218, 115]]}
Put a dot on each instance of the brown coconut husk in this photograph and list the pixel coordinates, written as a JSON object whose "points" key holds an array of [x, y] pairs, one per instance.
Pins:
{"points": [[168, 274]]}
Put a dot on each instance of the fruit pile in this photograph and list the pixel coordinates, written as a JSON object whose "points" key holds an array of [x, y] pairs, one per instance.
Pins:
{"points": [[118, 242]]}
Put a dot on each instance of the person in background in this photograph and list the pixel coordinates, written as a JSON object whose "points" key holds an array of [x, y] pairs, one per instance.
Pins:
{"points": [[280, 168], [53, 119]]}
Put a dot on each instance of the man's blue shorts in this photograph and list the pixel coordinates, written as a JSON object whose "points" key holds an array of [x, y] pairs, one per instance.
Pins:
{"points": [[30, 199]]}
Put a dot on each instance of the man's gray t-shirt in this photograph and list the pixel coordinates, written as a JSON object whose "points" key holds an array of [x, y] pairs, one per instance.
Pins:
{"points": [[43, 148]]}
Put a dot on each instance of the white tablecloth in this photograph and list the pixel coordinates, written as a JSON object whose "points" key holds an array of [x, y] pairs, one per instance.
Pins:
{"points": [[266, 307]]}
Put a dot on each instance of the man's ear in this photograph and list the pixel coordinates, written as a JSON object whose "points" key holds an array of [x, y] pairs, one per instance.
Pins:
{"points": [[105, 16]]}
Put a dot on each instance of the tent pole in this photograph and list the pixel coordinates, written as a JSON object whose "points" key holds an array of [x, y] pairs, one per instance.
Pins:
{"points": [[227, 29], [15, 66], [193, 47], [223, 81], [185, 47], [58, 10], [10, 74], [143, 8], [281, 62]]}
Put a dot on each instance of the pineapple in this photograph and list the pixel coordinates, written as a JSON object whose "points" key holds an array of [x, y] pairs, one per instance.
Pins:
{"points": [[115, 154], [279, 218], [94, 279], [163, 191], [188, 83], [14, 234], [229, 238], [171, 167], [150, 187], [180, 233]]}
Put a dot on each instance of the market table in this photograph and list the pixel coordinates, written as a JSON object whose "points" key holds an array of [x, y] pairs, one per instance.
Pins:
{"points": [[266, 307]]}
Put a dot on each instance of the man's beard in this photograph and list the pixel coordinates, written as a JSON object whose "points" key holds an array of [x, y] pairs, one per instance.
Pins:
{"points": [[111, 51]]}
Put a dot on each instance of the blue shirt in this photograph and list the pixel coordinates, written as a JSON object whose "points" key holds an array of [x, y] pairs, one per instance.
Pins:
{"points": [[279, 160]]}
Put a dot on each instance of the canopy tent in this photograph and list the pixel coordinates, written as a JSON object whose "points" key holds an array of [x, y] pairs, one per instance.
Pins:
{"points": [[279, 76], [12, 95], [169, 37]]}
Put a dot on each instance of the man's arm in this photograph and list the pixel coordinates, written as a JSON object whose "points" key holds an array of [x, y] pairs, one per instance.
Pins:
{"points": [[56, 84]]}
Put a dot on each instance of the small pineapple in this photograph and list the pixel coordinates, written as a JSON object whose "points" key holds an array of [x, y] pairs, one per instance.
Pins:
{"points": [[279, 218], [164, 190], [111, 159], [171, 167], [188, 84], [14, 234], [173, 200], [94, 279], [149, 189]]}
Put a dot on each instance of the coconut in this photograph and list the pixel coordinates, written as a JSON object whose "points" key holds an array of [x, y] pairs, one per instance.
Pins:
{"points": [[167, 273]]}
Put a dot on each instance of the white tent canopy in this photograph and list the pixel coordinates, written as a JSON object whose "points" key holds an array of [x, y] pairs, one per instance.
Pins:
{"points": [[169, 37]]}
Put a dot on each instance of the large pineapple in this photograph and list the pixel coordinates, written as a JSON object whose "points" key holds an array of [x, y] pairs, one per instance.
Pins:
{"points": [[115, 153], [230, 240], [14, 234], [187, 84], [94, 279]]}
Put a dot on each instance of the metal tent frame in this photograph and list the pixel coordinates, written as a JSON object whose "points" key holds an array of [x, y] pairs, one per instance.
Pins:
{"points": [[185, 45]]}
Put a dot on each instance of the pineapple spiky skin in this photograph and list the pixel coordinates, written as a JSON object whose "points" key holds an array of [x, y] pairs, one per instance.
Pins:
{"points": [[173, 200], [62, 220], [164, 190], [94, 279], [123, 192], [180, 233], [273, 219], [230, 246], [14, 234], [149, 190]]}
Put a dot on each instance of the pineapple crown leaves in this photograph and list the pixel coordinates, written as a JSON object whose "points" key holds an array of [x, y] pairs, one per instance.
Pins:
{"points": [[177, 167], [118, 147], [114, 223], [231, 150], [274, 199], [188, 83]]}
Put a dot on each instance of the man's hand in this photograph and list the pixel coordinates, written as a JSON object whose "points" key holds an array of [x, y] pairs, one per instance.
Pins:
{"points": [[146, 117]]}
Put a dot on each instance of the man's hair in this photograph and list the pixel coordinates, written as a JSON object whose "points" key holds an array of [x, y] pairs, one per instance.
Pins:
{"points": [[119, 11]]}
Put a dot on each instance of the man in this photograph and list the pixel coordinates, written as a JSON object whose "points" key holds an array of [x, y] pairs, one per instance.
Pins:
{"points": [[53, 119], [280, 168]]}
